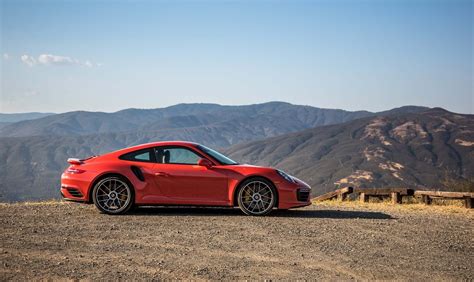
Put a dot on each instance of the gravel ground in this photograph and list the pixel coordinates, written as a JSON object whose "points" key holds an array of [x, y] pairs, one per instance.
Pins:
{"points": [[74, 241]]}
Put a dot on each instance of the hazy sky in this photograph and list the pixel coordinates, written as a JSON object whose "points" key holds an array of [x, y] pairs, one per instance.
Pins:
{"points": [[60, 56]]}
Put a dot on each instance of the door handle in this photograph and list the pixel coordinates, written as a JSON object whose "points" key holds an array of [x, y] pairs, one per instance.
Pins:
{"points": [[161, 173]]}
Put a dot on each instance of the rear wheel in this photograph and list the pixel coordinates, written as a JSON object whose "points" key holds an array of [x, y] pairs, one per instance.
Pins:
{"points": [[113, 195], [257, 196]]}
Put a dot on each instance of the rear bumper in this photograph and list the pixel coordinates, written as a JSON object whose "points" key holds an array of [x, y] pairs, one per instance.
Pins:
{"points": [[74, 187], [72, 194], [68, 197]]}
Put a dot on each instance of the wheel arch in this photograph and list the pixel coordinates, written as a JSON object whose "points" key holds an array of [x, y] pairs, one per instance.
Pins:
{"points": [[239, 186], [104, 175]]}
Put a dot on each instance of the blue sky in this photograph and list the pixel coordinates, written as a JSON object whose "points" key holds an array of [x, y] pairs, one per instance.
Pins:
{"points": [[60, 56]]}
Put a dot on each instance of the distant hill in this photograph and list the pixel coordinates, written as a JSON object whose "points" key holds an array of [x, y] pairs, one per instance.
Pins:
{"points": [[35, 153], [416, 150], [288, 117], [3, 124], [10, 118]]}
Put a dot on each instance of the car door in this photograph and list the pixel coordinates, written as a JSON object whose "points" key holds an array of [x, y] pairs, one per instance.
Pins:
{"points": [[142, 163], [183, 181]]}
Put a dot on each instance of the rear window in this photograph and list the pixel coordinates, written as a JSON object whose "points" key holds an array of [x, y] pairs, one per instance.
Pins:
{"points": [[138, 156]]}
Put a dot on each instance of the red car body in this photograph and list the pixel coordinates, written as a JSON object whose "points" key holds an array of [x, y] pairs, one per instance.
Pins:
{"points": [[209, 183]]}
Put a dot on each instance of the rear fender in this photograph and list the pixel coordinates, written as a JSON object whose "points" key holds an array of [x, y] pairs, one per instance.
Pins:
{"points": [[135, 184]]}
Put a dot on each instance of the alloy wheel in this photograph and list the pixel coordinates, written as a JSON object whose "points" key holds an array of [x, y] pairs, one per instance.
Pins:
{"points": [[256, 198], [112, 195]]}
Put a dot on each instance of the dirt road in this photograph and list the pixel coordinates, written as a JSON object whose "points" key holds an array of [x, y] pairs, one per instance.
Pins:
{"points": [[67, 240]]}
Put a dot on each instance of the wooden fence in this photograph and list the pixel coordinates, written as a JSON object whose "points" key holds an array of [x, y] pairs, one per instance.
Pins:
{"points": [[396, 195], [340, 194], [427, 196]]}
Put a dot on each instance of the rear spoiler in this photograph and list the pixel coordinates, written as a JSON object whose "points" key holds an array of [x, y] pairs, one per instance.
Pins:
{"points": [[76, 161]]}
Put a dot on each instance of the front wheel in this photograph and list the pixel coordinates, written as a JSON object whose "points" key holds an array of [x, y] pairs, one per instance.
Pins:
{"points": [[256, 197], [113, 195]]}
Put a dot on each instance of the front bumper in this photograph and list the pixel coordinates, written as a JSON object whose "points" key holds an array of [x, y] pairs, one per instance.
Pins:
{"points": [[303, 194], [294, 196]]}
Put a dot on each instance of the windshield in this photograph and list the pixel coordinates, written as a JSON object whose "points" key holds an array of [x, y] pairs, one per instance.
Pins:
{"points": [[216, 155]]}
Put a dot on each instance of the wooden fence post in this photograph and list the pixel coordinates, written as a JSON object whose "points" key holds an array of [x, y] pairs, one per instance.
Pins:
{"points": [[341, 197], [396, 198], [468, 202], [426, 199]]}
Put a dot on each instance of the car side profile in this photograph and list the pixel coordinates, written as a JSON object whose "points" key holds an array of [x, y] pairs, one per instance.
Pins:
{"points": [[179, 173]]}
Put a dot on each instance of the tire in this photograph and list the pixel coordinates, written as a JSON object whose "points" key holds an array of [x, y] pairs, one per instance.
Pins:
{"points": [[256, 196], [113, 195]]}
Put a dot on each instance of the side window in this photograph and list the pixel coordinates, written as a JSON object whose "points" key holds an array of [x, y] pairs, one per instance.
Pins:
{"points": [[138, 156], [176, 155]]}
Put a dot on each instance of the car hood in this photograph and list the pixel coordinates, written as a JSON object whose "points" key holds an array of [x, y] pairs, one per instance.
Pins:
{"points": [[250, 168]]}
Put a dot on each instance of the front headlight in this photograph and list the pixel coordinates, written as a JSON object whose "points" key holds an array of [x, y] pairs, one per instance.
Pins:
{"points": [[287, 177]]}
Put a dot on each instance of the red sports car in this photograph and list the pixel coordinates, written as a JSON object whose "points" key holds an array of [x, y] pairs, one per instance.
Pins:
{"points": [[179, 173]]}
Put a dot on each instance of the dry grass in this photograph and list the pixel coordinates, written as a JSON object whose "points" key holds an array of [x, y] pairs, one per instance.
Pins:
{"points": [[37, 203], [418, 200], [409, 204]]}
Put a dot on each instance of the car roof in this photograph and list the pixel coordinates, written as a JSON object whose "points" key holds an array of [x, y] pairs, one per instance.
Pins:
{"points": [[155, 144]]}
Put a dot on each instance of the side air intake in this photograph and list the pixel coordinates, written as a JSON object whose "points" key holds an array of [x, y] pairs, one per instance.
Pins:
{"points": [[138, 173]]}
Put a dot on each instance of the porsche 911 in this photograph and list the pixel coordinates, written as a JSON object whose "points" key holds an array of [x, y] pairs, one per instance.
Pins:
{"points": [[182, 174]]}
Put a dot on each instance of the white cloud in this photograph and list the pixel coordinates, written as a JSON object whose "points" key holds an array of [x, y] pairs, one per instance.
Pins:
{"points": [[6, 56], [30, 61], [30, 93], [88, 64], [55, 60], [48, 59]]}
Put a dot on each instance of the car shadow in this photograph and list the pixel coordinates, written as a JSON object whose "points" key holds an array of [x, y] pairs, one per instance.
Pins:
{"points": [[336, 214], [211, 211]]}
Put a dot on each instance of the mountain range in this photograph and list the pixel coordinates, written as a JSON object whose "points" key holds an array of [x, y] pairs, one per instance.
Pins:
{"points": [[417, 150], [288, 117], [16, 117], [322, 146], [6, 119]]}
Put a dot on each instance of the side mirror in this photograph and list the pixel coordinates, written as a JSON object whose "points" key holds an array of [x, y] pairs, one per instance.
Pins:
{"points": [[205, 162]]}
